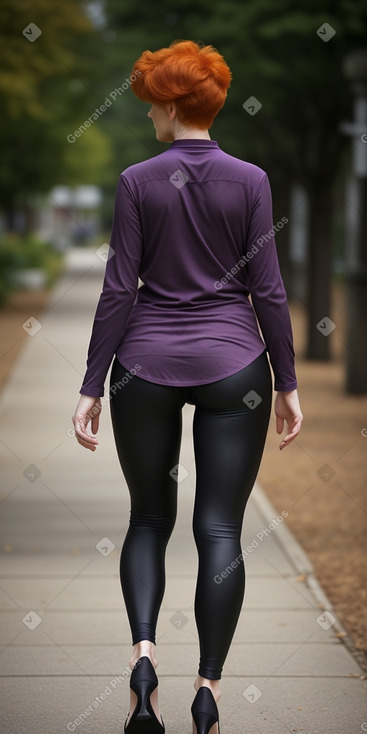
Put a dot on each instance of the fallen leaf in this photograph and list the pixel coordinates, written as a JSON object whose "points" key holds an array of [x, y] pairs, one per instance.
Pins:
{"points": [[301, 577]]}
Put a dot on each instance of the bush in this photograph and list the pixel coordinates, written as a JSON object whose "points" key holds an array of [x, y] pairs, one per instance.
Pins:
{"points": [[10, 263], [22, 252]]}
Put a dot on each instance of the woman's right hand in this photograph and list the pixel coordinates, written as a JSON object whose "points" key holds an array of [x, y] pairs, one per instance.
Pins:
{"points": [[287, 408]]}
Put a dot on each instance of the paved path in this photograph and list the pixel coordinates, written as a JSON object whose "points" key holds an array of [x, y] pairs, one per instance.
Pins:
{"points": [[64, 632]]}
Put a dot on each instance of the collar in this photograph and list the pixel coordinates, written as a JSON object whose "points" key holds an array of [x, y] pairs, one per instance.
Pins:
{"points": [[197, 143]]}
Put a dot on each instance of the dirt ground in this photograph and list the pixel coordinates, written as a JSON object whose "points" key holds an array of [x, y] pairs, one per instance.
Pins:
{"points": [[321, 478], [327, 506], [21, 306]]}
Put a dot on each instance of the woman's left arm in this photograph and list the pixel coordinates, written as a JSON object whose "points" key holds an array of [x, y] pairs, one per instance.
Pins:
{"points": [[119, 290], [270, 304], [268, 294], [287, 408]]}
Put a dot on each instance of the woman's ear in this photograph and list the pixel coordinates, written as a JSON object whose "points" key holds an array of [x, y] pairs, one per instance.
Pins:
{"points": [[171, 110]]}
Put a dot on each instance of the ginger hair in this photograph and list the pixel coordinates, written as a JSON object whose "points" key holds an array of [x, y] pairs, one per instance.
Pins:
{"points": [[195, 77]]}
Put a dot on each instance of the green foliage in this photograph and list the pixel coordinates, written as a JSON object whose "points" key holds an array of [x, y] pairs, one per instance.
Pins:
{"points": [[10, 262], [25, 65], [46, 91], [88, 159], [274, 53], [18, 253]]}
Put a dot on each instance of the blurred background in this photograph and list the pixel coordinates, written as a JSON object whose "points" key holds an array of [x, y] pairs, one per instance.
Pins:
{"points": [[297, 107]]}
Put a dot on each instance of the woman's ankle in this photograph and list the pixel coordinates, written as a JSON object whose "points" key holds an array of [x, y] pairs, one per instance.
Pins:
{"points": [[209, 683], [141, 649]]}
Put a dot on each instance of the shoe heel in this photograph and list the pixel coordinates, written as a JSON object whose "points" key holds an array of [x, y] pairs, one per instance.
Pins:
{"points": [[143, 682], [204, 722], [204, 711], [144, 707]]}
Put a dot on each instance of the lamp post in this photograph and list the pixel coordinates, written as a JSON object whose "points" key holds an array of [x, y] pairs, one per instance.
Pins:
{"points": [[355, 70]]}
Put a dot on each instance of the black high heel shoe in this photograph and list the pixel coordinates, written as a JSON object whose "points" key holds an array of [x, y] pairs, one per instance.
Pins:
{"points": [[143, 681], [204, 710]]}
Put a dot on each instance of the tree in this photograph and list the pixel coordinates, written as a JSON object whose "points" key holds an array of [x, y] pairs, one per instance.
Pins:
{"points": [[283, 59], [46, 86]]}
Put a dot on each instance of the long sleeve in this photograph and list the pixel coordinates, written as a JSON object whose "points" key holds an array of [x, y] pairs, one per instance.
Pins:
{"points": [[119, 289], [267, 290]]}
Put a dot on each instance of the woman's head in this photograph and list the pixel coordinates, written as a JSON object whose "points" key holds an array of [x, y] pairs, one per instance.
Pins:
{"points": [[195, 78]]}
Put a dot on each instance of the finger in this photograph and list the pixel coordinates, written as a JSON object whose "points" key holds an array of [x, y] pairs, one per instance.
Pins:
{"points": [[81, 423], [95, 424], [85, 440], [83, 434], [291, 435], [280, 424], [85, 444]]}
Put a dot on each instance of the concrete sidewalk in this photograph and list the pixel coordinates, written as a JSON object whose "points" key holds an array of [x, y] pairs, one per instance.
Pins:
{"points": [[64, 514]]}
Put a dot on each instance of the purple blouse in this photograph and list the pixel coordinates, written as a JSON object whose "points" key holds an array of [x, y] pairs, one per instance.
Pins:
{"points": [[195, 225]]}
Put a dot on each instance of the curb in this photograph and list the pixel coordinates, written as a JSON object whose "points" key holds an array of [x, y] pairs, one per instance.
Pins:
{"points": [[302, 565]]}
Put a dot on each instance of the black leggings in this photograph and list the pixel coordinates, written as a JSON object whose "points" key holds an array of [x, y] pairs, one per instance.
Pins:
{"points": [[229, 436]]}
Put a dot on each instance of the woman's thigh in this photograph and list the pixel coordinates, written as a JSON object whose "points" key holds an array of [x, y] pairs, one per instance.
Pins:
{"points": [[230, 425], [147, 425]]}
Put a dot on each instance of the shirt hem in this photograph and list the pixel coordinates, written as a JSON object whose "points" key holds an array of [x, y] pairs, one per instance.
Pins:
{"points": [[188, 383]]}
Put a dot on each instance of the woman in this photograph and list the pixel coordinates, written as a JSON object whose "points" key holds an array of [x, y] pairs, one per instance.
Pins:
{"points": [[196, 225]]}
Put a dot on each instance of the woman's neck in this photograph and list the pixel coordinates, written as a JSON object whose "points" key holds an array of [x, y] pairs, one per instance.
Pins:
{"points": [[192, 133]]}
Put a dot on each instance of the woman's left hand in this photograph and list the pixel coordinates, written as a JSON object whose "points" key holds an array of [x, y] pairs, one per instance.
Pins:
{"points": [[88, 409]]}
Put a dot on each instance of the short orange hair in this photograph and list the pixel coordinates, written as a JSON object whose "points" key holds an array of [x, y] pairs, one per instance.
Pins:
{"points": [[195, 77]]}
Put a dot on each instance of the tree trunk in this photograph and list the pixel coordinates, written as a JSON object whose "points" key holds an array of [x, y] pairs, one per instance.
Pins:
{"points": [[281, 208], [356, 280], [10, 218], [318, 302]]}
